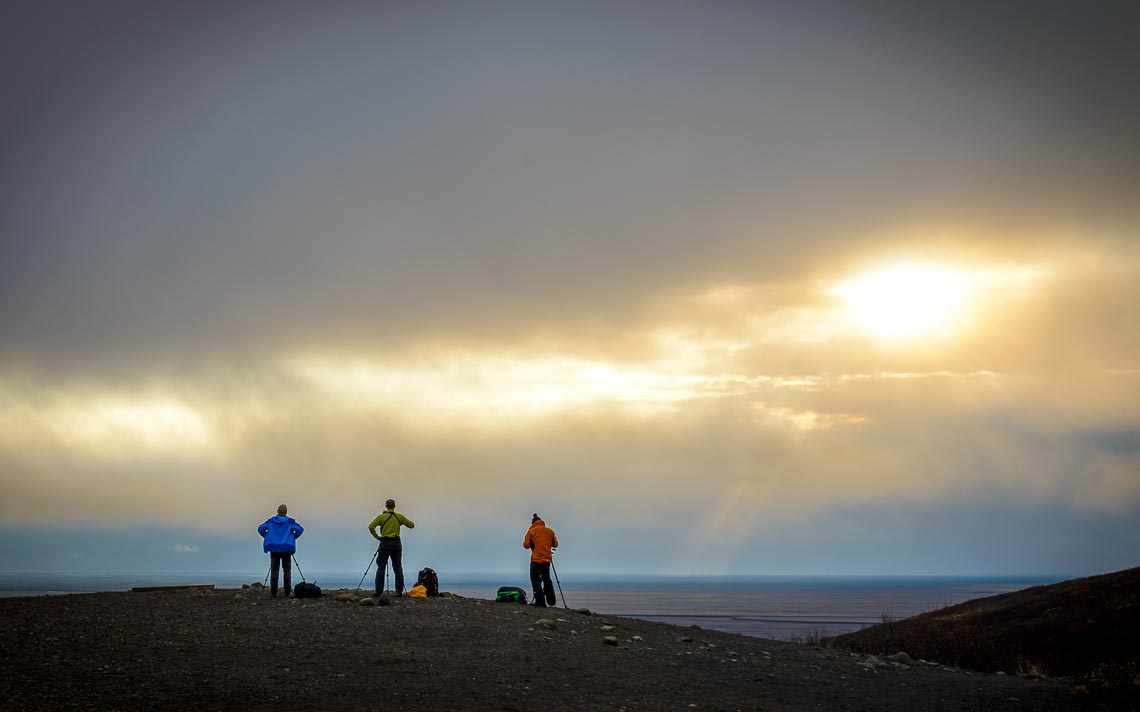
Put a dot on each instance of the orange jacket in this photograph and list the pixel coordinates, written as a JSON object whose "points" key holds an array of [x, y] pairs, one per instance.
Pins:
{"points": [[539, 539]]}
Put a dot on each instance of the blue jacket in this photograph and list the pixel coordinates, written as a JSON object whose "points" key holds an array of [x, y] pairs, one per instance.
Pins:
{"points": [[280, 533]]}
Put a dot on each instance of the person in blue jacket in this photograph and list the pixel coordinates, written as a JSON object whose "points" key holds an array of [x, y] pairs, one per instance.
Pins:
{"points": [[280, 534]]}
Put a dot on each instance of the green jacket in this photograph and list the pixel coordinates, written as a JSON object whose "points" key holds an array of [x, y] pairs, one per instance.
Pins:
{"points": [[389, 522]]}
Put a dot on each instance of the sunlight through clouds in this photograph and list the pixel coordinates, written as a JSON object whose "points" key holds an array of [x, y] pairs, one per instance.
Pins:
{"points": [[115, 425], [906, 300], [484, 388], [913, 300], [149, 422], [497, 391]]}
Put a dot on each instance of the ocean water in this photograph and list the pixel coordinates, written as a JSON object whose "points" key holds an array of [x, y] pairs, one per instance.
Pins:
{"points": [[779, 607]]}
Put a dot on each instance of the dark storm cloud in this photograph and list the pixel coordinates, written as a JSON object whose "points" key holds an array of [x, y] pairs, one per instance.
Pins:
{"points": [[1072, 62], [213, 178]]}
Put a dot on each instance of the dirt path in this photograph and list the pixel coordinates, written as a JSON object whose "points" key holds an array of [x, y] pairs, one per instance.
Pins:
{"points": [[246, 650]]}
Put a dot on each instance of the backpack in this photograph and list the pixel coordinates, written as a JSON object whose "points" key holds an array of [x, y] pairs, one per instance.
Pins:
{"points": [[428, 580], [510, 594], [306, 590]]}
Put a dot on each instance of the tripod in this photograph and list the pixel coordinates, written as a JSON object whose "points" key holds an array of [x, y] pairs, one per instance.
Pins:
{"points": [[559, 582]]}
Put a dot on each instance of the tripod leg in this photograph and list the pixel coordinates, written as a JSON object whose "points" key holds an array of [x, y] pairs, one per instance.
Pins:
{"points": [[370, 562], [559, 583]]}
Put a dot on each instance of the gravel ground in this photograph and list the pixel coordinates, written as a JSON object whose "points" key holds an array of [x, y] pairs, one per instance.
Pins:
{"points": [[246, 650]]}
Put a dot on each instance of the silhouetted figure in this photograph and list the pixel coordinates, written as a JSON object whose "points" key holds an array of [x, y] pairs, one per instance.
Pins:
{"points": [[541, 541], [389, 522], [280, 536]]}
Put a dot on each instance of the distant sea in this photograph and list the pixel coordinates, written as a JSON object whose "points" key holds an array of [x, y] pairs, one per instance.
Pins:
{"points": [[779, 607]]}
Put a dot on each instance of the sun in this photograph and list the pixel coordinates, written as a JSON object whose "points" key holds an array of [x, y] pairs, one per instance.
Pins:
{"points": [[906, 301]]}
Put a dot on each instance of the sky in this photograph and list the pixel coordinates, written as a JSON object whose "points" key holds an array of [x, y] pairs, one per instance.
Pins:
{"points": [[721, 287]]}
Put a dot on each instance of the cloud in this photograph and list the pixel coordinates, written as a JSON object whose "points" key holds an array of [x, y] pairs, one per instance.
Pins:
{"points": [[610, 278], [805, 443], [185, 549], [764, 390], [545, 198]]}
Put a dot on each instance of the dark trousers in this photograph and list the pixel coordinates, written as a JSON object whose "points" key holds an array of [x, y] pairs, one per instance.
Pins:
{"points": [[540, 582], [394, 550], [281, 559]]}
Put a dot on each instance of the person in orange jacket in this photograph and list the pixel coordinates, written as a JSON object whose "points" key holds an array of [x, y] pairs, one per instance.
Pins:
{"points": [[540, 539]]}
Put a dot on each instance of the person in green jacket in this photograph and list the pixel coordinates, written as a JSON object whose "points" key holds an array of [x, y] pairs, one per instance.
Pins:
{"points": [[389, 522]]}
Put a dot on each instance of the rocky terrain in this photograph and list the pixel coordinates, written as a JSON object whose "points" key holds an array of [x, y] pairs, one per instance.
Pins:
{"points": [[231, 649]]}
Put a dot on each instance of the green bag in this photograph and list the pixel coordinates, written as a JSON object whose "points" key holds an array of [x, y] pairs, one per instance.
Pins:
{"points": [[510, 594]]}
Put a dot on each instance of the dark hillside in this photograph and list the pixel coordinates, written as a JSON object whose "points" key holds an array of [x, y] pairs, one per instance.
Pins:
{"points": [[1087, 628]]}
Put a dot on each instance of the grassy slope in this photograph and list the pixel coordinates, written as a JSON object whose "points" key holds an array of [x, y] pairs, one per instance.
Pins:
{"points": [[1085, 628]]}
